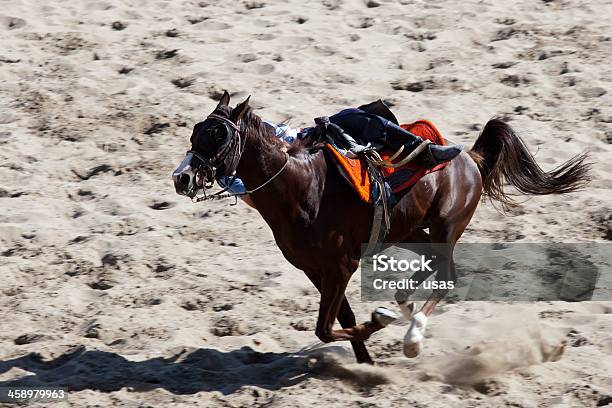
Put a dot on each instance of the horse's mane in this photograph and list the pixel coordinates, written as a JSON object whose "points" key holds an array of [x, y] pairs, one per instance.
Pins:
{"points": [[302, 146], [254, 123]]}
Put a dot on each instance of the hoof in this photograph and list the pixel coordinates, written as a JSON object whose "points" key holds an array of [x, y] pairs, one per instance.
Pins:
{"points": [[413, 341], [384, 316], [411, 350]]}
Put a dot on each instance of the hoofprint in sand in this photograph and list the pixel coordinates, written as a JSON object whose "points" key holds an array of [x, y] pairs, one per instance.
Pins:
{"points": [[119, 290]]}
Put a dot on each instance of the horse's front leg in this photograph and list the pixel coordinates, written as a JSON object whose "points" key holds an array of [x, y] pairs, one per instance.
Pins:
{"points": [[333, 285], [346, 317]]}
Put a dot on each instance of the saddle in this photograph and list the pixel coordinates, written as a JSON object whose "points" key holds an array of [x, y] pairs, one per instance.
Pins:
{"points": [[367, 152], [357, 171]]}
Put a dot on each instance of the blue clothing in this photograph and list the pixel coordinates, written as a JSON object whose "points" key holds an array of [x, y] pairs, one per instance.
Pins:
{"points": [[362, 126], [237, 186]]}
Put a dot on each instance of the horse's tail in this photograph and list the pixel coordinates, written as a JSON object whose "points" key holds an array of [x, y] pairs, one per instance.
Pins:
{"points": [[502, 157]]}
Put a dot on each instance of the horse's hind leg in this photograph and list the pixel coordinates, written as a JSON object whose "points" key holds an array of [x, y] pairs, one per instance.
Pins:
{"points": [[413, 340], [402, 295], [346, 317], [385, 316], [446, 234]]}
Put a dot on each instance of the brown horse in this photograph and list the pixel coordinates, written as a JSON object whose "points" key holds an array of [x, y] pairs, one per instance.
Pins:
{"points": [[320, 223]]}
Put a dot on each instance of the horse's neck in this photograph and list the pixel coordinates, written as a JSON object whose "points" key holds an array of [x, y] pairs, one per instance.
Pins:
{"points": [[262, 158]]}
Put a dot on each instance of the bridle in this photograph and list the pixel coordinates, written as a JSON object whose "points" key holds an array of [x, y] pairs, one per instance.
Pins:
{"points": [[205, 173]]}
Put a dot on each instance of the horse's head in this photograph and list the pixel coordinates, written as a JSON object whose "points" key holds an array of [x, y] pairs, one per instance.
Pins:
{"points": [[217, 144]]}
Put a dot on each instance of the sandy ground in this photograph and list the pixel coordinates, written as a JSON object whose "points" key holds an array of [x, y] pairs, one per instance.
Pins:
{"points": [[124, 293]]}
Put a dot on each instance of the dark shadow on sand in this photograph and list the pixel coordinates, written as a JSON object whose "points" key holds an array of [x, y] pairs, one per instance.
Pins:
{"points": [[188, 372]]}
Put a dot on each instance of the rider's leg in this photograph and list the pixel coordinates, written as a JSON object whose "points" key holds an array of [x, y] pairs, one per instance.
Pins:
{"points": [[366, 127], [433, 154]]}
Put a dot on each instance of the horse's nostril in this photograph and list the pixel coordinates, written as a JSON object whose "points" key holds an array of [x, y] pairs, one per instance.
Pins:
{"points": [[184, 180]]}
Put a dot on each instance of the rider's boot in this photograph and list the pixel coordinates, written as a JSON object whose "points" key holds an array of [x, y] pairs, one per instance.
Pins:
{"points": [[430, 157]]}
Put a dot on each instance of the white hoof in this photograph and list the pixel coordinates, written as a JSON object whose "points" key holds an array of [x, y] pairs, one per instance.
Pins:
{"points": [[384, 316], [412, 350], [413, 340], [407, 310]]}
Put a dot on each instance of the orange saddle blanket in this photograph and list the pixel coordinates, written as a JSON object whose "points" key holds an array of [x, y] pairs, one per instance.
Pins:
{"points": [[399, 179]]}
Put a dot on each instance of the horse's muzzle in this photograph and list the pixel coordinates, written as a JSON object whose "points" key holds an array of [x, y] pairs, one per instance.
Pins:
{"points": [[184, 178], [183, 184]]}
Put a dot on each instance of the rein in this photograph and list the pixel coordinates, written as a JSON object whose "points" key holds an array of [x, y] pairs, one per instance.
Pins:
{"points": [[211, 168]]}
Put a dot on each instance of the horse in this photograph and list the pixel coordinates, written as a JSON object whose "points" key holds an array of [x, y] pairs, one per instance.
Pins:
{"points": [[319, 223]]}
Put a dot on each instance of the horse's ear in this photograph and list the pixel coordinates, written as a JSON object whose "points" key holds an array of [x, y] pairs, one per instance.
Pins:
{"points": [[225, 99], [239, 111]]}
